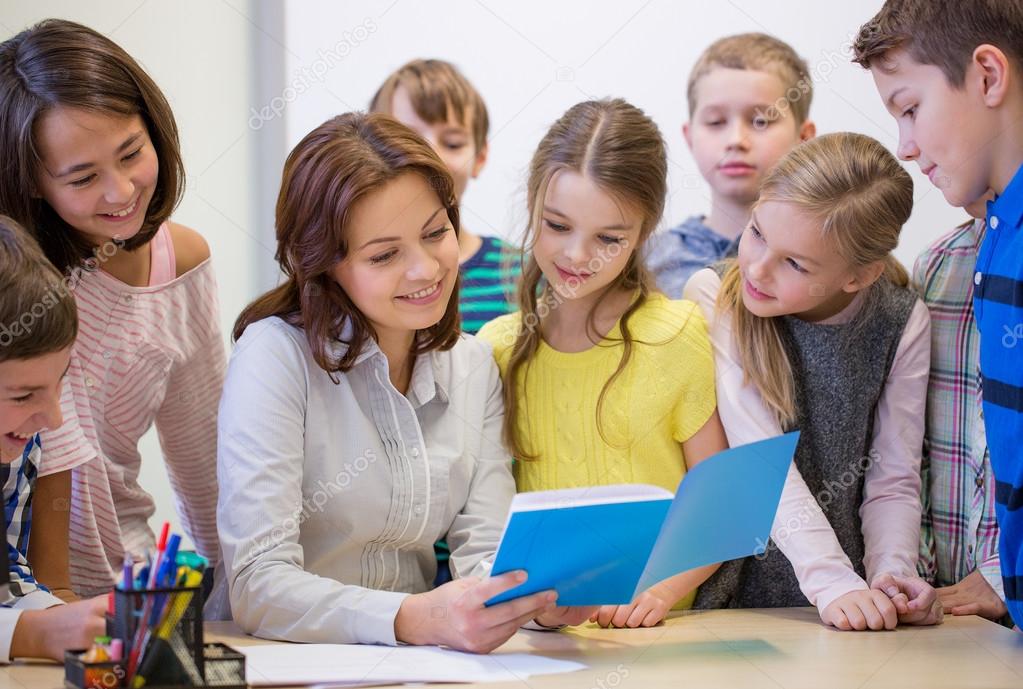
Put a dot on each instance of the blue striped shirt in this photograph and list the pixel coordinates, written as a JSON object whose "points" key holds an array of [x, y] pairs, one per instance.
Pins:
{"points": [[998, 305], [19, 480]]}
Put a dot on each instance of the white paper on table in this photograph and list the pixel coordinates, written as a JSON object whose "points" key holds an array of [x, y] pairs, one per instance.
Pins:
{"points": [[362, 665]]}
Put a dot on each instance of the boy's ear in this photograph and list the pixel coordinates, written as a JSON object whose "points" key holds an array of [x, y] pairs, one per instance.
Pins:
{"points": [[480, 160], [687, 135], [864, 277], [807, 130], [993, 66]]}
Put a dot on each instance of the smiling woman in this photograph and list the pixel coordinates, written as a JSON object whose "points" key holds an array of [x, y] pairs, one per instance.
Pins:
{"points": [[328, 528]]}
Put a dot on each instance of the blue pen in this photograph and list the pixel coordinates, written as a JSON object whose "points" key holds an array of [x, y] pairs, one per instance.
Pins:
{"points": [[169, 564], [165, 576]]}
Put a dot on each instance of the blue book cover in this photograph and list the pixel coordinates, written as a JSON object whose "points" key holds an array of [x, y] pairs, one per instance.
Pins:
{"points": [[605, 544]]}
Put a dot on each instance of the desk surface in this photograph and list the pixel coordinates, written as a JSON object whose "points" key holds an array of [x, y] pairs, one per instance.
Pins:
{"points": [[786, 648]]}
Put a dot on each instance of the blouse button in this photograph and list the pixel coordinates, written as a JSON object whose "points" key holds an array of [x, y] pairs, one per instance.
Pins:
{"points": [[415, 451], [994, 222], [977, 277]]}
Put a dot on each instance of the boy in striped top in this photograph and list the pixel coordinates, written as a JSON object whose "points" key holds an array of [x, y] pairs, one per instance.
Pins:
{"points": [[435, 100], [38, 324]]}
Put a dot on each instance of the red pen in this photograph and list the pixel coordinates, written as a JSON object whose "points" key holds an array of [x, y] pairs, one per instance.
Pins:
{"points": [[161, 546]]}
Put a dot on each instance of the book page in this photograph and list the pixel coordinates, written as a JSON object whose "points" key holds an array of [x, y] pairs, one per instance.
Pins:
{"points": [[593, 495]]}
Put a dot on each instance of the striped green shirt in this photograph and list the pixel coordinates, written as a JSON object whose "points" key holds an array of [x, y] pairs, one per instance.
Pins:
{"points": [[488, 283]]}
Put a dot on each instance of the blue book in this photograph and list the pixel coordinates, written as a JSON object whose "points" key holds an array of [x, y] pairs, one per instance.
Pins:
{"points": [[606, 544]]}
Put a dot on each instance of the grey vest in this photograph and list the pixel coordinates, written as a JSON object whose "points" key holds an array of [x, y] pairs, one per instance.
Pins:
{"points": [[840, 373]]}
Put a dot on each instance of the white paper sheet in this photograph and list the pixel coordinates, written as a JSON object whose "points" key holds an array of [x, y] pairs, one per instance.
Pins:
{"points": [[360, 665]]}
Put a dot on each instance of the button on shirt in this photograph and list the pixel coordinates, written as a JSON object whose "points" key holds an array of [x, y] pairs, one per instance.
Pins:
{"points": [[998, 304], [333, 494]]}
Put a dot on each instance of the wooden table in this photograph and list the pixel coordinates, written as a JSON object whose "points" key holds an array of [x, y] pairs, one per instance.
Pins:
{"points": [[787, 648]]}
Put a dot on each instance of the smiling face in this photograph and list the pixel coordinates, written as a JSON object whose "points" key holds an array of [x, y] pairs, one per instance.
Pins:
{"points": [[99, 171], [788, 268], [731, 135], [452, 140], [585, 238], [29, 399], [402, 259], [947, 131]]}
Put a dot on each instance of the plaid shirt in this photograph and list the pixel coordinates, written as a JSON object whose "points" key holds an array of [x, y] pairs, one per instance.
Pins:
{"points": [[959, 533], [19, 480]]}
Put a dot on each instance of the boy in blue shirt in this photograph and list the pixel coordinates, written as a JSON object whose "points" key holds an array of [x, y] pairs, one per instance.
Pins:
{"points": [[749, 104], [950, 74]]}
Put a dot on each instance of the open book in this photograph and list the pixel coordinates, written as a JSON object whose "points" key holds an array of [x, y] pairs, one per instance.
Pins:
{"points": [[604, 545]]}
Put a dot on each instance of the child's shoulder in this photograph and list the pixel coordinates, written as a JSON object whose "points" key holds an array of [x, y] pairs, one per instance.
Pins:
{"points": [[501, 332], [190, 249], [662, 321]]}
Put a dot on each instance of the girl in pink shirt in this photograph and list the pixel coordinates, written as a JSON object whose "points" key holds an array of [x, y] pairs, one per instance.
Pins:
{"points": [[813, 328], [94, 172]]}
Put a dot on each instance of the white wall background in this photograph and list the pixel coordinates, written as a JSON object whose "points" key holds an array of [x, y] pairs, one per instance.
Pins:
{"points": [[532, 60], [248, 78]]}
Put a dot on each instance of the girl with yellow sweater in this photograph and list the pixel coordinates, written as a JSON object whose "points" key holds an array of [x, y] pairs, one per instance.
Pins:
{"points": [[605, 380]]}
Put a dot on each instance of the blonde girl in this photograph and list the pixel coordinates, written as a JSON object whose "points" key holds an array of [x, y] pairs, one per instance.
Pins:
{"points": [[814, 328]]}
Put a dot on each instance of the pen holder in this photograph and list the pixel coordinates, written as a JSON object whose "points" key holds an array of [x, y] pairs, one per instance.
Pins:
{"points": [[224, 669], [162, 632]]}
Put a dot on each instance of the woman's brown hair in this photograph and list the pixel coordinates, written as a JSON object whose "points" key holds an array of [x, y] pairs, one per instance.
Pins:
{"points": [[621, 150], [37, 310], [328, 172], [861, 197], [58, 63]]}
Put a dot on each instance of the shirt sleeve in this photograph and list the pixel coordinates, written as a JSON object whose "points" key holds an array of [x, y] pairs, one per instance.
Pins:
{"points": [[8, 621], [187, 426], [800, 530], [476, 531], [69, 446], [260, 468], [891, 508], [11, 613]]}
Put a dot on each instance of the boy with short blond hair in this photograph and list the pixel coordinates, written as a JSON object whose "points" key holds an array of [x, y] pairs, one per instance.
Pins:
{"points": [[749, 104], [952, 76], [38, 325], [433, 98]]}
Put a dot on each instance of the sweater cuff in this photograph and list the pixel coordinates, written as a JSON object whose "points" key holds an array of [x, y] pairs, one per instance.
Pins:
{"points": [[829, 595]]}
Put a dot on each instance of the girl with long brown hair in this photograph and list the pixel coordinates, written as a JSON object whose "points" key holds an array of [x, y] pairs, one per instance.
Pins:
{"points": [[814, 329], [93, 171], [357, 426], [606, 380]]}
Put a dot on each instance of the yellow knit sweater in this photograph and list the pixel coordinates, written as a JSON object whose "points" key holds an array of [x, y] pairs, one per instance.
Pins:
{"points": [[665, 395]]}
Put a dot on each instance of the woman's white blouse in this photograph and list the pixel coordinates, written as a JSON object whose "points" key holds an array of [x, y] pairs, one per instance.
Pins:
{"points": [[332, 495]]}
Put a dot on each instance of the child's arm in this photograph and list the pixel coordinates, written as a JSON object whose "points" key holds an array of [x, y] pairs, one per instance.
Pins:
{"points": [[48, 633], [48, 543], [651, 606], [187, 426], [891, 492]]}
